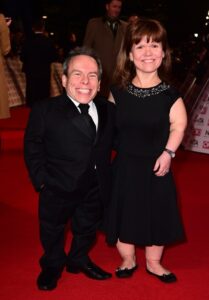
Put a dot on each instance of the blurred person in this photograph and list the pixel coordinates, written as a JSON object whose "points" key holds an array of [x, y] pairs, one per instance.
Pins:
{"points": [[150, 120], [67, 153], [132, 18], [22, 11], [38, 52], [70, 42], [5, 47], [105, 34], [17, 37]]}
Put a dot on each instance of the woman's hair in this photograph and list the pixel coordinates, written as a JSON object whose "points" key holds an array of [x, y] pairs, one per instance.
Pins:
{"points": [[125, 70]]}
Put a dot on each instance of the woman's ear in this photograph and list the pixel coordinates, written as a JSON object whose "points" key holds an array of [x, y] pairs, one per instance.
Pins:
{"points": [[131, 56]]}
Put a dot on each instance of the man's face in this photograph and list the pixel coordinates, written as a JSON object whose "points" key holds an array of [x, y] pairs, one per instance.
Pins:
{"points": [[82, 83], [114, 8]]}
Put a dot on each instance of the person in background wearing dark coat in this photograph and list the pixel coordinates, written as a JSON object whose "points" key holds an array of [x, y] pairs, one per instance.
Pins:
{"points": [[105, 35], [38, 52], [68, 153]]}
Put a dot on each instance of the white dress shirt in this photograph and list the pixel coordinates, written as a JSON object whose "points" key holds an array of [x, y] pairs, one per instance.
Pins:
{"points": [[92, 110]]}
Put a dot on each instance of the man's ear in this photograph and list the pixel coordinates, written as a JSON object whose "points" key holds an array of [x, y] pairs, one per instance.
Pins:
{"points": [[64, 80]]}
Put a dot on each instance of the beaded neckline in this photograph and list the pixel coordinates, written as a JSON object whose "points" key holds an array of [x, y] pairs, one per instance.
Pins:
{"points": [[146, 92]]}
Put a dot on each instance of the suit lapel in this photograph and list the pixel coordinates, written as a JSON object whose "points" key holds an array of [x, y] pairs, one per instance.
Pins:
{"points": [[80, 122], [71, 112], [68, 108]]}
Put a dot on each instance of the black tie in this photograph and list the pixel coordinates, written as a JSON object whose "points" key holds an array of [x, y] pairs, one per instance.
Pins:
{"points": [[113, 27], [84, 110]]}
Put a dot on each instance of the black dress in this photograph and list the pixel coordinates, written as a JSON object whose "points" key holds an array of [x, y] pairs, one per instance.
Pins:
{"points": [[143, 209]]}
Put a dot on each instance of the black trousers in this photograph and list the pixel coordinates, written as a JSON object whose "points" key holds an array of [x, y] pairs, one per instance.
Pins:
{"points": [[83, 207]]}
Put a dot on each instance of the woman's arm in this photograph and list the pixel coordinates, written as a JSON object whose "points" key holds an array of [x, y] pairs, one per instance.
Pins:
{"points": [[111, 98], [178, 123]]}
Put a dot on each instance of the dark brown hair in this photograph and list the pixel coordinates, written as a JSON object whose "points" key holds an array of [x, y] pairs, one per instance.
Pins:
{"points": [[152, 29]]}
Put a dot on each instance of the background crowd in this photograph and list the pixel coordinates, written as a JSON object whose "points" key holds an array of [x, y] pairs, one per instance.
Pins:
{"points": [[67, 26]]}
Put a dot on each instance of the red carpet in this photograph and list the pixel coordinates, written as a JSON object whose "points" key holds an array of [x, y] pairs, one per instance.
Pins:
{"points": [[20, 248], [12, 129]]}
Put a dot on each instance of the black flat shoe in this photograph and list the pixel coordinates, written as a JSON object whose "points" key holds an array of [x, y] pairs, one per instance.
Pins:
{"points": [[166, 278], [125, 273], [90, 270]]}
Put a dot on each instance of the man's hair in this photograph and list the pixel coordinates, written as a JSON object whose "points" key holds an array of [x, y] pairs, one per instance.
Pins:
{"points": [[82, 51]]}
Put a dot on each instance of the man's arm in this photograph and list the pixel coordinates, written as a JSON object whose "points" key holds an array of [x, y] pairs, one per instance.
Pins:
{"points": [[34, 152]]}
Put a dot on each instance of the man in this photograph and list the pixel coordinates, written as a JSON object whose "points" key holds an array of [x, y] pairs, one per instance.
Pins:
{"points": [[67, 154], [38, 52], [105, 34]]}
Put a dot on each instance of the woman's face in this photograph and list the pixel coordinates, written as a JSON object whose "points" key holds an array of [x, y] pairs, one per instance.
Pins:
{"points": [[147, 55]]}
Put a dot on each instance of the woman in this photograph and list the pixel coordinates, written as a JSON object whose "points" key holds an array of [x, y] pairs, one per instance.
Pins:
{"points": [[5, 47], [151, 120]]}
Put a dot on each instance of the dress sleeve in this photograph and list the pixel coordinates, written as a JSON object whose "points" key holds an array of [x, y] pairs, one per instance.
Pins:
{"points": [[115, 93], [174, 95]]}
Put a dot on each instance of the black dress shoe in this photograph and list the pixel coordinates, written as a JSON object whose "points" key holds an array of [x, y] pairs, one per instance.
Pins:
{"points": [[125, 273], [166, 278], [47, 279], [90, 270]]}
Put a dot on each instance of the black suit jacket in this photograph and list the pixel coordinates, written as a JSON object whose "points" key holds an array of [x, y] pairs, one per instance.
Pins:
{"points": [[58, 150]]}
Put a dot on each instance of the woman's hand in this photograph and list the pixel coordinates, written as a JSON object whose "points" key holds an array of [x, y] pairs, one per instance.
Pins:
{"points": [[8, 21], [162, 164]]}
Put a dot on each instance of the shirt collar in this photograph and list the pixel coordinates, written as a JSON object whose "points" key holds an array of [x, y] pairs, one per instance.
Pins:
{"points": [[108, 19], [77, 103]]}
